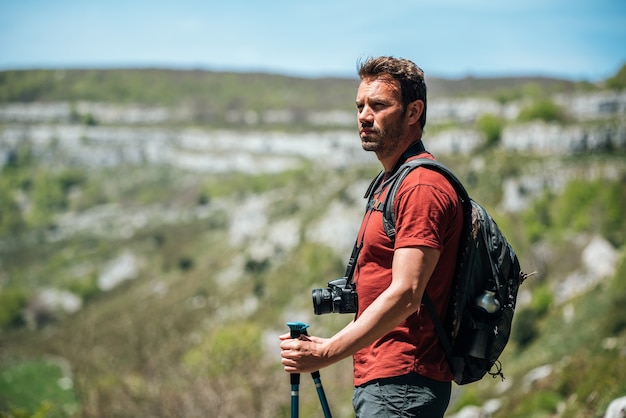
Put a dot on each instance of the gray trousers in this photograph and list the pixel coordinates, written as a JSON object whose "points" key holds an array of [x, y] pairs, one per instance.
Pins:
{"points": [[411, 395]]}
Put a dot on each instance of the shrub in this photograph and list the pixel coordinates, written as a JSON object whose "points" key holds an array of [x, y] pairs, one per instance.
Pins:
{"points": [[229, 349], [539, 404], [19, 381], [185, 263], [595, 206], [544, 110], [12, 301], [542, 300], [615, 321], [525, 328], [583, 206], [491, 126], [537, 219], [69, 178], [85, 287]]}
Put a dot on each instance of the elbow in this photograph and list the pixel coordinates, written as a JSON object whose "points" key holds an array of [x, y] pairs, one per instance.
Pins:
{"points": [[410, 299]]}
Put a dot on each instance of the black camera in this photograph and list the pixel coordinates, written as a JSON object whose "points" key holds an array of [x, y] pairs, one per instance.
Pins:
{"points": [[339, 297]]}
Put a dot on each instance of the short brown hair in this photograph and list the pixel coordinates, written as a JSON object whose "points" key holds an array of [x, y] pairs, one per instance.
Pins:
{"points": [[409, 75]]}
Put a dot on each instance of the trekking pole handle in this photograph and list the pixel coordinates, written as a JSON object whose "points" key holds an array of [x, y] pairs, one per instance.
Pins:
{"points": [[297, 329]]}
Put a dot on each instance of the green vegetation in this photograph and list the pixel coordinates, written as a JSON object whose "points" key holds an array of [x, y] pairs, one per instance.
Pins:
{"points": [[222, 351], [204, 337], [12, 302], [615, 320], [491, 126], [211, 90], [574, 348], [544, 110], [46, 190], [38, 386], [194, 333], [583, 206], [525, 331], [204, 90], [618, 81], [504, 89]]}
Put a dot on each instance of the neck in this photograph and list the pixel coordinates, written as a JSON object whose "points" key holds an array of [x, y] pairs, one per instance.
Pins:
{"points": [[396, 158]]}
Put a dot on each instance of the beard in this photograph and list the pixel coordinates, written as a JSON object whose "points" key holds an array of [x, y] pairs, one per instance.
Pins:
{"points": [[383, 142]]}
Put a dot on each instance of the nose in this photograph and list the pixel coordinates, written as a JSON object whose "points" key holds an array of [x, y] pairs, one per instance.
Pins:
{"points": [[365, 115]]}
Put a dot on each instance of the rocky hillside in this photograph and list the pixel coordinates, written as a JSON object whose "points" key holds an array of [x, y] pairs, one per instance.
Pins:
{"points": [[153, 246]]}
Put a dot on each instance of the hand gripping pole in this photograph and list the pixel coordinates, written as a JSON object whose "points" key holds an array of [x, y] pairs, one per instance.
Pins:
{"points": [[296, 330]]}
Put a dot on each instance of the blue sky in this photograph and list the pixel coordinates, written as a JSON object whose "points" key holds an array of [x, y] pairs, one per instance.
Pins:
{"points": [[575, 39]]}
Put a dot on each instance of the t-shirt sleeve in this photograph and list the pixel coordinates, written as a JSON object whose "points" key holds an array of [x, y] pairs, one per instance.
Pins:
{"points": [[423, 214]]}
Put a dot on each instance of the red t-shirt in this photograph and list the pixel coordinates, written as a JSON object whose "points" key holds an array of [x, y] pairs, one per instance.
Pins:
{"points": [[429, 214]]}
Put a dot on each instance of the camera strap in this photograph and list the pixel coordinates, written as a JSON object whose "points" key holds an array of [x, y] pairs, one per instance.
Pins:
{"points": [[349, 275]]}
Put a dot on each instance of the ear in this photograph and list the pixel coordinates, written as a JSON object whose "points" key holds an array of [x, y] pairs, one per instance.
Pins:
{"points": [[414, 111]]}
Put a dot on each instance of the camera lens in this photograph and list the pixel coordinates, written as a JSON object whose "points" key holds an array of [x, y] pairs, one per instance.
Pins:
{"points": [[322, 301]]}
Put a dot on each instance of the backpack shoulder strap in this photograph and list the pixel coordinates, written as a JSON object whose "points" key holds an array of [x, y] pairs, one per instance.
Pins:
{"points": [[371, 189], [389, 215], [389, 221], [415, 149]]}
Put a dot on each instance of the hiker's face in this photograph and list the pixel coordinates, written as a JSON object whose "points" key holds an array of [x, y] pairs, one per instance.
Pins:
{"points": [[380, 115]]}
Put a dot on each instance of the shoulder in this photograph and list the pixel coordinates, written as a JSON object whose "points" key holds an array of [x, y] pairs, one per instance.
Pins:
{"points": [[428, 180]]}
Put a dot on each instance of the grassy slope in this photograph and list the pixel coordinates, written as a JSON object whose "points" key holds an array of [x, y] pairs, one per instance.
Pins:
{"points": [[194, 350], [128, 343]]}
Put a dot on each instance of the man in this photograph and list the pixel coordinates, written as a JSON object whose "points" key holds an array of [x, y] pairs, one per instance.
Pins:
{"points": [[400, 368]]}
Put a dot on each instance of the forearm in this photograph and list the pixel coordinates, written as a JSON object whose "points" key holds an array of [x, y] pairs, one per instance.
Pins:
{"points": [[412, 269], [392, 307]]}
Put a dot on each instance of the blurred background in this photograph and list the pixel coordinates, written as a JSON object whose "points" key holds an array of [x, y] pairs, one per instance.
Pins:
{"points": [[175, 178]]}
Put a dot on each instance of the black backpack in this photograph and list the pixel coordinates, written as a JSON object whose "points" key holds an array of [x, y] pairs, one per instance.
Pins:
{"points": [[488, 275]]}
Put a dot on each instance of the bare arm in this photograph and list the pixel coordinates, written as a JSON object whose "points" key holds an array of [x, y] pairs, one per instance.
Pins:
{"points": [[411, 270]]}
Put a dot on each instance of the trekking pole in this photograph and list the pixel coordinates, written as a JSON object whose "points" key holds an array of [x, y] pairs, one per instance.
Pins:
{"points": [[295, 384], [321, 394], [297, 329]]}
